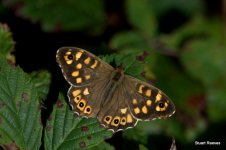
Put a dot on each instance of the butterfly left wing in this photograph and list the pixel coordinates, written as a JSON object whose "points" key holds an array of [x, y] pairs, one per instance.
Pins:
{"points": [[147, 102], [88, 76], [86, 100], [80, 67]]}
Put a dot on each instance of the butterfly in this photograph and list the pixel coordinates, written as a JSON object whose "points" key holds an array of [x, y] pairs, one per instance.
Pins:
{"points": [[98, 90]]}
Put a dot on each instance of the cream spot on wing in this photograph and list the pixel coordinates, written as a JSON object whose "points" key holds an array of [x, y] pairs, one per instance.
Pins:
{"points": [[75, 73], [69, 62], [87, 60], [148, 93], [140, 89], [157, 108], [129, 118], [136, 110], [76, 92], [86, 91], [166, 104], [134, 101], [79, 66], [78, 55], [149, 102], [78, 80], [87, 77], [68, 53], [158, 97], [123, 110], [144, 110], [94, 64]]}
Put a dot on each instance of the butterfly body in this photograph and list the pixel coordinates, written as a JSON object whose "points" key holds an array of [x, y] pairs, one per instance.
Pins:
{"points": [[115, 98]]}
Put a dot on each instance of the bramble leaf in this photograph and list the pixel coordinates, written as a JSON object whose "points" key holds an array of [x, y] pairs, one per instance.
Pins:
{"points": [[20, 115], [64, 130], [53, 16], [41, 81], [141, 16]]}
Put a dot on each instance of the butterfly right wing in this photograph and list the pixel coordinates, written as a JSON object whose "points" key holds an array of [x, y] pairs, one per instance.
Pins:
{"points": [[147, 102], [134, 100]]}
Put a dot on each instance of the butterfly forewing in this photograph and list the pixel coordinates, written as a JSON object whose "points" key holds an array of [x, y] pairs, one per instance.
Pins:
{"points": [[146, 101], [80, 67]]}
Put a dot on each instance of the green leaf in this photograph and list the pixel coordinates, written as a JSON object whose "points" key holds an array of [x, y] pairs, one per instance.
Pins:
{"points": [[134, 68], [103, 146], [128, 39], [162, 7], [129, 62], [140, 15], [197, 28], [65, 131], [142, 147], [66, 15], [20, 121], [205, 61], [41, 81], [6, 42]]}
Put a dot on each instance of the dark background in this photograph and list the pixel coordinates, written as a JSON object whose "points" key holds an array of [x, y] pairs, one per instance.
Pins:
{"points": [[172, 39]]}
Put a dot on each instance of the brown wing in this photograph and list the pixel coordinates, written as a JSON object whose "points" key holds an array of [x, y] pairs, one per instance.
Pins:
{"points": [[86, 100], [80, 67], [115, 114], [88, 76], [90, 101], [146, 101]]}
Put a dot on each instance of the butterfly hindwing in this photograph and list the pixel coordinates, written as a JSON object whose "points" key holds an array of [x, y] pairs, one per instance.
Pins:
{"points": [[83, 100], [116, 114], [91, 100]]}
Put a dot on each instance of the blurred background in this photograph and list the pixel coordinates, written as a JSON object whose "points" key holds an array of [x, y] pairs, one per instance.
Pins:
{"points": [[180, 43]]}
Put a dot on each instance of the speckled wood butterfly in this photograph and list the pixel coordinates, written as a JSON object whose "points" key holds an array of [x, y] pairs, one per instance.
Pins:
{"points": [[116, 99]]}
